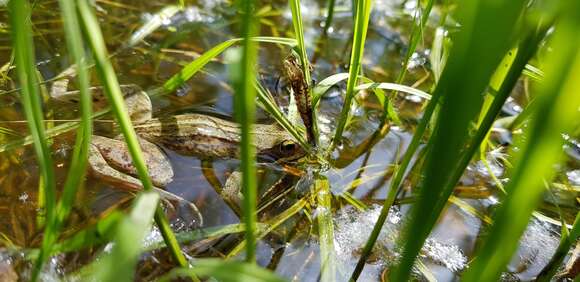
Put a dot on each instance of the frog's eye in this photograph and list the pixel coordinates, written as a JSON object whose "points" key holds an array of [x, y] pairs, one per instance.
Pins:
{"points": [[287, 147]]}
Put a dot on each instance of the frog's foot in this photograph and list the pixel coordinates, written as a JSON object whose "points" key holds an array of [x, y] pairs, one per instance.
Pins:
{"points": [[109, 159]]}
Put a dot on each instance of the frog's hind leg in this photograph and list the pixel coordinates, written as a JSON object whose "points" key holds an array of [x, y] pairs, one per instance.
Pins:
{"points": [[110, 159], [102, 170]]}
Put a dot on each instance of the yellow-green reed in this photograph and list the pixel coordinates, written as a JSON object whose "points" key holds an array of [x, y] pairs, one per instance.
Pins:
{"points": [[325, 229], [569, 237]]}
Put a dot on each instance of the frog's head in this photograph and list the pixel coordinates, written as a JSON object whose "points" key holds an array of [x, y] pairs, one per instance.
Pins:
{"points": [[286, 150], [275, 145]]}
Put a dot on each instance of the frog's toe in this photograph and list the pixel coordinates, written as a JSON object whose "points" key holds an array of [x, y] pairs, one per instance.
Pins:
{"points": [[161, 173]]}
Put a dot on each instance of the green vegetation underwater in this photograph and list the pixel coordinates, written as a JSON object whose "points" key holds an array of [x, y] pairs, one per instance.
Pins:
{"points": [[246, 140]]}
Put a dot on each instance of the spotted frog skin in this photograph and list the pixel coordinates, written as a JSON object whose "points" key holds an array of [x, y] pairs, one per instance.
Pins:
{"points": [[203, 136]]}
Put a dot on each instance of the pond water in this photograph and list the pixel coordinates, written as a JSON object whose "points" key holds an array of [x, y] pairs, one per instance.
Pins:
{"points": [[293, 249]]}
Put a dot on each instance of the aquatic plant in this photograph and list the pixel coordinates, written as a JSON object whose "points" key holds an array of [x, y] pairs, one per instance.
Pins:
{"points": [[481, 50]]}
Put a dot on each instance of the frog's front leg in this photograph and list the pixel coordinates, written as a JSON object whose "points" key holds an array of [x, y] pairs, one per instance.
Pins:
{"points": [[110, 160]]}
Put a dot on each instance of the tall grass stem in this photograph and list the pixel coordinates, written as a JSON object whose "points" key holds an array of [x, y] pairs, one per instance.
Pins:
{"points": [[107, 76], [23, 46], [80, 153], [245, 110], [363, 13]]}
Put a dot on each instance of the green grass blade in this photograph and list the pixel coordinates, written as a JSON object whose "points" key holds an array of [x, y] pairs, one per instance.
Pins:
{"points": [[526, 49], [22, 43], [363, 12], [270, 106], [107, 76], [192, 68], [245, 111], [483, 39], [299, 31], [329, 16], [325, 230], [80, 153], [416, 35], [118, 265], [325, 84], [223, 270], [557, 111]]}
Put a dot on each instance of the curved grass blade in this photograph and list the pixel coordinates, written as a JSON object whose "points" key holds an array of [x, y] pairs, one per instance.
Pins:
{"points": [[80, 153], [192, 68], [170, 85], [394, 87], [222, 270], [120, 263], [107, 76], [363, 12], [557, 104], [22, 43], [332, 80], [243, 77]]}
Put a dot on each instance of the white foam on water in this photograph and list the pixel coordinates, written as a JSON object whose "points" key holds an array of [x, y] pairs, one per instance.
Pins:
{"points": [[352, 229], [448, 255], [574, 176]]}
